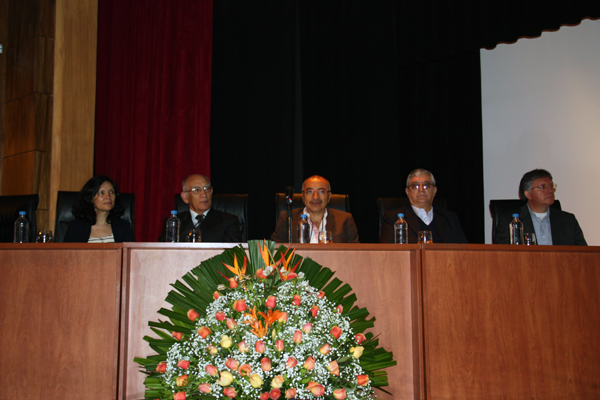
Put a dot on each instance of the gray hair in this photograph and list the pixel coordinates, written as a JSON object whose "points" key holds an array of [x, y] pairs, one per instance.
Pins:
{"points": [[528, 179], [186, 178], [419, 172]]}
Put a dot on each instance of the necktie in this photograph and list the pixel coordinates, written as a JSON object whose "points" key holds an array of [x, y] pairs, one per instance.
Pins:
{"points": [[199, 218]]}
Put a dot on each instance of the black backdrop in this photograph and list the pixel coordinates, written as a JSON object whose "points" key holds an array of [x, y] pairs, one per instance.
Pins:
{"points": [[360, 93]]}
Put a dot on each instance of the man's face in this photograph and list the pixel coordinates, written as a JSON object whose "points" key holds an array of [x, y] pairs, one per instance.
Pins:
{"points": [[421, 198], [541, 199], [318, 194], [200, 199]]}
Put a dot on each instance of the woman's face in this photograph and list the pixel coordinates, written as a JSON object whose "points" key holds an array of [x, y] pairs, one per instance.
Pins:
{"points": [[104, 200]]}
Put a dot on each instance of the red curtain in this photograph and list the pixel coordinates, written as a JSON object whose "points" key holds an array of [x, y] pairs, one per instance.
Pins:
{"points": [[153, 100]]}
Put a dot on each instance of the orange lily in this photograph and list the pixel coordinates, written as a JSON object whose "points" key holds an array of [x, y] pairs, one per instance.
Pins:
{"points": [[271, 317], [289, 272], [235, 269]]}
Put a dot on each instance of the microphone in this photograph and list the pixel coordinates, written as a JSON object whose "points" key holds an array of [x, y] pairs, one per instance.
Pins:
{"points": [[289, 195]]}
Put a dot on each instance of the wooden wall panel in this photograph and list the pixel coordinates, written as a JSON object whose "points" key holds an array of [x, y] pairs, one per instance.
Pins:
{"points": [[4, 42], [379, 274], [59, 313], [28, 124], [506, 323], [29, 19]]}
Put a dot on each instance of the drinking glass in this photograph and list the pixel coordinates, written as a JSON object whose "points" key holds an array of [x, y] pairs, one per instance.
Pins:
{"points": [[194, 236], [425, 237], [325, 237], [43, 236], [529, 239]]}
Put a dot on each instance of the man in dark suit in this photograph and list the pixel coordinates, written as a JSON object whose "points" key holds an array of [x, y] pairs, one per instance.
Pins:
{"points": [[551, 226], [420, 215], [215, 226], [316, 193]]}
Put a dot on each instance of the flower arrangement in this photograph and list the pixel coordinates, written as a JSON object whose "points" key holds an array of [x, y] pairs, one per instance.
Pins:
{"points": [[268, 327]]}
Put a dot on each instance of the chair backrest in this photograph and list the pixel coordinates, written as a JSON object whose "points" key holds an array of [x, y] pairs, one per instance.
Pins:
{"points": [[64, 214], [499, 207], [385, 204], [9, 212], [338, 201], [236, 204]]}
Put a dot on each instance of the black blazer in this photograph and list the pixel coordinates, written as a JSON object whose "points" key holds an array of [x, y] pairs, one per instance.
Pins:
{"points": [[79, 231], [217, 227], [563, 225], [446, 222]]}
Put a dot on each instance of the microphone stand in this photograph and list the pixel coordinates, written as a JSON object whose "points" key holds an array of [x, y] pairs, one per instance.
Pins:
{"points": [[289, 199]]}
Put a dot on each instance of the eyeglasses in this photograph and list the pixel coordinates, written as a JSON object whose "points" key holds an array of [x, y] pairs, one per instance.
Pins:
{"points": [[198, 189], [320, 192], [545, 187], [419, 185]]}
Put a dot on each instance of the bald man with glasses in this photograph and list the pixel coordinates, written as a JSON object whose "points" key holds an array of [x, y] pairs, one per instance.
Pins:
{"points": [[316, 193], [421, 215], [550, 225], [215, 226]]}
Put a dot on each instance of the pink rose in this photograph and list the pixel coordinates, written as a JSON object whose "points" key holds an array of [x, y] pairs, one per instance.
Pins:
{"points": [[279, 345], [192, 314], [243, 347], [231, 363], [316, 389], [231, 323], [183, 364], [204, 387], [230, 392], [359, 337], [334, 368], [296, 300], [290, 393], [245, 370], [240, 305], [232, 283], [283, 317], [216, 295], [291, 362], [260, 346], [363, 380], [177, 335], [211, 370], [325, 349], [314, 311], [182, 380], [271, 302], [307, 327], [220, 316], [212, 350], [297, 337], [161, 367], [265, 364], [264, 396], [309, 363], [321, 294], [203, 331], [275, 394], [339, 394], [339, 309], [336, 331], [179, 396], [260, 273]]}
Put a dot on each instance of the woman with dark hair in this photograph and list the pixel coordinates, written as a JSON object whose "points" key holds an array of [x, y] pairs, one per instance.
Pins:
{"points": [[98, 213]]}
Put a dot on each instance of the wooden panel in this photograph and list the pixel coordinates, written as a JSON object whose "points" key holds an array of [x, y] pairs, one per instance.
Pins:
{"points": [[28, 124], [29, 68], [512, 323], [29, 19], [4, 42], [18, 174], [59, 312], [379, 274]]}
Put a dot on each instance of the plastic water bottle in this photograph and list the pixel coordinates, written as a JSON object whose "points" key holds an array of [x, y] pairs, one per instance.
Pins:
{"points": [[516, 230], [173, 225], [21, 228], [303, 229], [401, 230]]}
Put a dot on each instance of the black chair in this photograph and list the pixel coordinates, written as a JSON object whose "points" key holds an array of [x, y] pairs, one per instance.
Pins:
{"points": [[236, 204], [64, 214], [9, 212], [499, 207], [338, 201], [385, 204]]}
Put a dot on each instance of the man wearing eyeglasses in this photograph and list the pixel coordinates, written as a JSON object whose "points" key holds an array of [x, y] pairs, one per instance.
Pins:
{"points": [[550, 225], [316, 193], [421, 215], [215, 226]]}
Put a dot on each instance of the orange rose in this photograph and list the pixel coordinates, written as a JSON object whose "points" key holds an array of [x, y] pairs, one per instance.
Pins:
{"points": [[289, 276], [204, 387], [321, 294], [275, 394], [161, 367], [325, 349], [212, 350], [192, 314], [283, 317], [245, 370], [314, 311], [183, 364], [265, 396], [177, 335], [211, 370], [290, 393], [220, 316], [359, 337], [203, 332], [309, 363], [339, 309], [363, 380], [316, 389], [277, 382], [260, 346], [231, 323], [265, 364], [339, 394], [307, 327], [231, 363], [179, 396], [243, 347], [271, 302], [230, 392], [279, 345], [334, 368], [297, 337], [291, 362], [232, 283], [296, 300], [216, 295], [182, 380], [240, 305], [336, 331]]}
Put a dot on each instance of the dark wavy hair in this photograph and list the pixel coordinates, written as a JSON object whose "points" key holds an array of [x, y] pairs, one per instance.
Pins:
{"points": [[84, 210]]}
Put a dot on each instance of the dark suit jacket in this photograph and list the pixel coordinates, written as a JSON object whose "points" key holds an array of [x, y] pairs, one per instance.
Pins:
{"points": [[563, 225], [446, 222], [217, 227], [79, 231], [339, 222]]}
